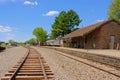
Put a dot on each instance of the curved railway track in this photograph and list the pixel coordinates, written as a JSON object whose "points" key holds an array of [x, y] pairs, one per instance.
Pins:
{"points": [[76, 59], [31, 67]]}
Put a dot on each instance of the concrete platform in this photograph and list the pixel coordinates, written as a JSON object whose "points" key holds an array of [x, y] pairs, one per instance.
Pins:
{"points": [[105, 52]]}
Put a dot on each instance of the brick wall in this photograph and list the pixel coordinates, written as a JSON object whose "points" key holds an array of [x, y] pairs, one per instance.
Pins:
{"points": [[111, 29], [93, 37], [100, 38]]}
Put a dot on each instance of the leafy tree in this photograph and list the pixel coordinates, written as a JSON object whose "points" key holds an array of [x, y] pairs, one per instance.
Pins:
{"points": [[12, 42], [65, 23], [21, 43], [31, 41], [114, 10], [40, 34]]}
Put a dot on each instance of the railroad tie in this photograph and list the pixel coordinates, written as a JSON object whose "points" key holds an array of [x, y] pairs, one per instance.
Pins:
{"points": [[31, 67]]}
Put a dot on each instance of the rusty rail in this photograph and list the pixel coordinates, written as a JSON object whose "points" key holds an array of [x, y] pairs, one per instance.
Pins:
{"points": [[67, 55], [43, 69], [31, 67], [17, 70]]}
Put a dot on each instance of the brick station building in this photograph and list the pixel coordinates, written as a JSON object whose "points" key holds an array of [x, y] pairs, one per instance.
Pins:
{"points": [[102, 35]]}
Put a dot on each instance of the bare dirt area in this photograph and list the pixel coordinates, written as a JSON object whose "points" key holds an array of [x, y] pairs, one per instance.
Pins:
{"points": [[9, 57], [65, 68]]}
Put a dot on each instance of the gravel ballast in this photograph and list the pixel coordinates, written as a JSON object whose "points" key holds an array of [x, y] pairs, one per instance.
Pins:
{"points": [[65, 68], [9, 57]]}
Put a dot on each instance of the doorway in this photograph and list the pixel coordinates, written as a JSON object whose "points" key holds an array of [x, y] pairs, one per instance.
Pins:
{"points": [[112, 42]]}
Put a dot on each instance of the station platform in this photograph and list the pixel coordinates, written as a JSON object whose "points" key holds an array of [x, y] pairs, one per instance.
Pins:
{"points": [[104, 52]]}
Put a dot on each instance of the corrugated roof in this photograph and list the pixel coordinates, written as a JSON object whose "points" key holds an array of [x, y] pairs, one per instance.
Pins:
{"points": [[86, 30]]}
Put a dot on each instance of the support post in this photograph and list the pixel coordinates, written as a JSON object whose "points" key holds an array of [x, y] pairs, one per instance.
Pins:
{"points": [[84, 41]]}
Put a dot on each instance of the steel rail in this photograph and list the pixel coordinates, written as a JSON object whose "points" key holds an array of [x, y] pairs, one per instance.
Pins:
{"points": [[88, 64], [43, 69], [19, 67]]}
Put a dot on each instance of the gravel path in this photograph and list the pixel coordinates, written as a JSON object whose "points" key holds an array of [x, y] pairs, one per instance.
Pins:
{"points": [[67, 69], [9, 58]]}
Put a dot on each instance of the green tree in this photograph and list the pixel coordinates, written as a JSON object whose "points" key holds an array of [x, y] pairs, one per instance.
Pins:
{"points": [[114, 10], [31, 41], [65, 23], [12, 42], [40, 34]]}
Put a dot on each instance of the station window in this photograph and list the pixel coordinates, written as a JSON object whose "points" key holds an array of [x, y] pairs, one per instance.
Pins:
{"points": [[112, 39]]}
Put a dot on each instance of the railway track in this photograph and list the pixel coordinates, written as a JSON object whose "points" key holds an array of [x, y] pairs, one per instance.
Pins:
{"points": [[31, 67], [87, 63]]}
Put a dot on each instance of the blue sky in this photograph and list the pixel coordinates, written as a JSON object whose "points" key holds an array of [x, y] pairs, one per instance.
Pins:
{"points": [[18, 18]]}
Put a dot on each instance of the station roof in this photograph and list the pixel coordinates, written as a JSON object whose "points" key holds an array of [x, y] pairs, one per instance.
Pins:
{"points": [[86, 30]]}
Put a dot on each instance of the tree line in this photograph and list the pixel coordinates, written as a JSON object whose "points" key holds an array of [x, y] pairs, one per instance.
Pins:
{"points": [[64, 23], [67, 21]]}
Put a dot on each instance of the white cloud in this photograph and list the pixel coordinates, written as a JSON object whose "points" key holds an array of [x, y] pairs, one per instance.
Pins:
{"points": [[31, 3], [5, 29], [99, 20], [51, 13], [36, 3]]}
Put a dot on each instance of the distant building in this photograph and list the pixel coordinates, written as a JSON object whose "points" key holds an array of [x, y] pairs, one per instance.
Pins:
{"points": [[55, 42], [50, 42], [102, 35], [2, 46], [1, 42]]}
